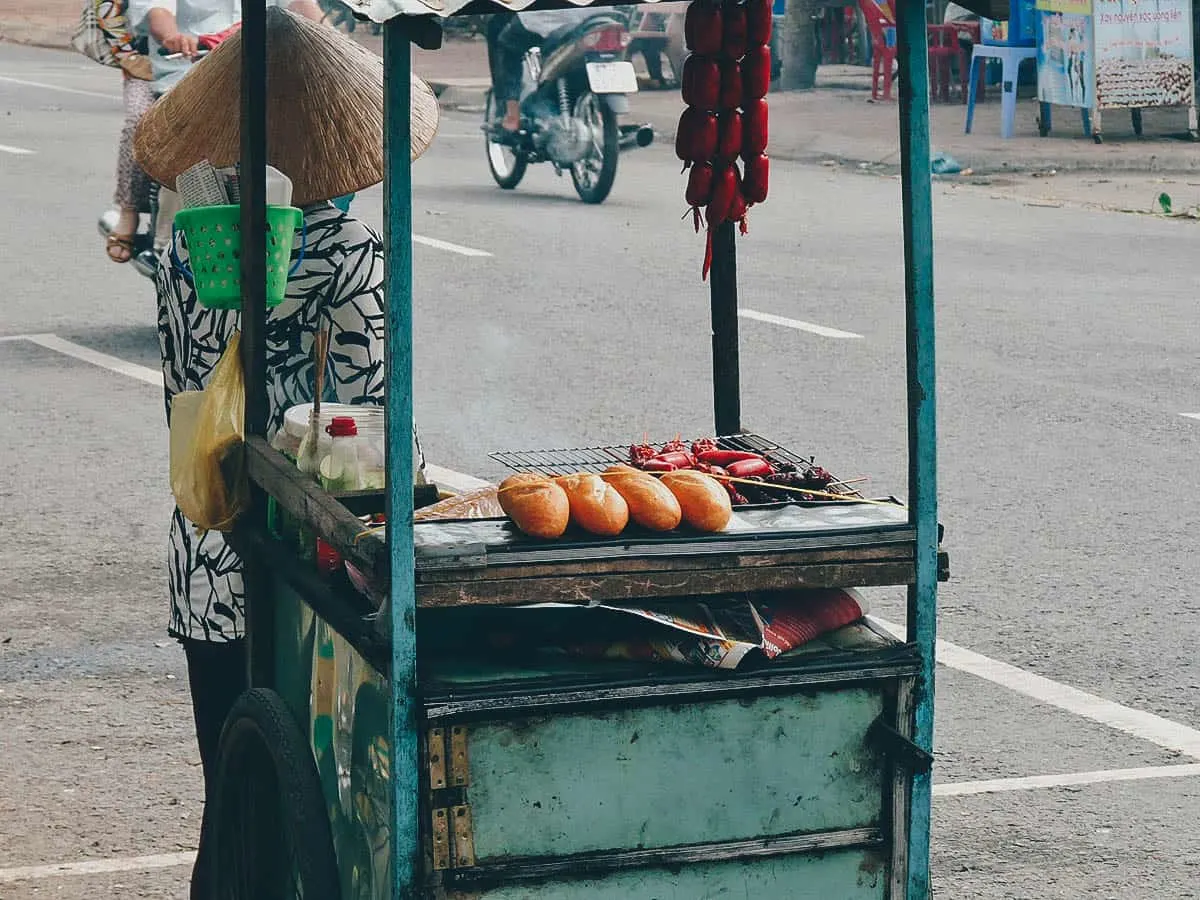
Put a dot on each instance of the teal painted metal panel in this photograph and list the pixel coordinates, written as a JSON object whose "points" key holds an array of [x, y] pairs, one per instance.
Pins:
{"points": [[397, 189], [917, 194], [654, 777], [836, 875], [294, 624]]}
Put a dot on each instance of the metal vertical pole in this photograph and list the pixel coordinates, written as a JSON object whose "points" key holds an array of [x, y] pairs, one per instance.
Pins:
{"points": [[397, 191], [727, 401], [917, 197], [259, 629]]}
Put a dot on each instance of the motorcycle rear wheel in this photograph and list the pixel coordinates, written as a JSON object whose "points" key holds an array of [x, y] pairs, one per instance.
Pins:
{"points": [[506, 164], [594, 175]]}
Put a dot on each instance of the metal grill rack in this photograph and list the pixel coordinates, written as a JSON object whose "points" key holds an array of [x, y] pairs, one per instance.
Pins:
{"points": [[597, 459]]}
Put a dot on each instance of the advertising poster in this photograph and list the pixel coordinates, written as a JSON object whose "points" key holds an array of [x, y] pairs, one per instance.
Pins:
{"points": [[1065, 60], [1144, 52]]}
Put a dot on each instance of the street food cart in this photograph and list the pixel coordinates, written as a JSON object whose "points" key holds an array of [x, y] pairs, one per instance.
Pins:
{"points": [[1112, 54], [378, 755]]}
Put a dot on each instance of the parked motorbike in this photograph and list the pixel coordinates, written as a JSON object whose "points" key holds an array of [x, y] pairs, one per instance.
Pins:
{"points": [[572, 90]]}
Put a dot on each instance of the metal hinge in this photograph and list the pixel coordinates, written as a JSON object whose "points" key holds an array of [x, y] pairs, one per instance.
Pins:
{"points": [[452, 830], [441, 840], [460, 761], [899, 749], [464, 837], [436, 744]]}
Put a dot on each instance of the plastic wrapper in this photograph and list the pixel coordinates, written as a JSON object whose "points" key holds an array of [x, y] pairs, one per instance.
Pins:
{"points": [[482, 503], [208, 474], [718, 633]]}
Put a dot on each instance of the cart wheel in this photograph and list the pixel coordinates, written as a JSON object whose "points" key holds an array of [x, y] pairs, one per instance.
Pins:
{"points": [[270, 835]]}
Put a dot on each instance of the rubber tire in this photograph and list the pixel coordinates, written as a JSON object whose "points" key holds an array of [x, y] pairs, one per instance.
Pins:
{"points": [[260, 728], [520, 163], [608, 169]]}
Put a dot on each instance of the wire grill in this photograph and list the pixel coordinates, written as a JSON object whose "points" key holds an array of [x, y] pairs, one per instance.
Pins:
{"points": [[597, 459]]}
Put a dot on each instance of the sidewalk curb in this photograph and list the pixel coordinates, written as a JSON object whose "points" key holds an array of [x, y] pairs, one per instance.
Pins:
{"points": [[464, 95]]}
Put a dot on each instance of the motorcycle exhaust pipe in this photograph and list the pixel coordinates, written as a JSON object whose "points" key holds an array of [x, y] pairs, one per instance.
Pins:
{"points": [[636, 136]]}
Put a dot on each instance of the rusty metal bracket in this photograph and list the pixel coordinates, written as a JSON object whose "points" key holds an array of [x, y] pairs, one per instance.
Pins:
{"points": [[464, 837], [460, 762], [898, 748], [436, 744], [441, 840]]}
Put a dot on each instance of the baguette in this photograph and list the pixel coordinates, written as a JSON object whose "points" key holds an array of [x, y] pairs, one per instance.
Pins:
{"points": [[651, 504], [704, 502], [536, 505], [595, 505]]}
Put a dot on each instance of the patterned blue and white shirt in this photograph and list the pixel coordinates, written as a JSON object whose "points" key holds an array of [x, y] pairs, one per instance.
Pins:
{"points": [[339, 283]]}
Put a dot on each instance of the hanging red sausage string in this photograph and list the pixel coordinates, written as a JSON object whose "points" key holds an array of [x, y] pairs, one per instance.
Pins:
{"points": [[724, 81]]}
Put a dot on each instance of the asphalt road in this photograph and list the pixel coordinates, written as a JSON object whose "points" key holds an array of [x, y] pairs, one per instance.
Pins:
{"points": [[1067, 356]]}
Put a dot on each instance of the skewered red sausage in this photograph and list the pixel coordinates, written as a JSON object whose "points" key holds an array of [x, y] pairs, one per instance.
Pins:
{"points": [[702, 27], [696, 139], [725, 185], [759, 21], [729, 136], [680, 459], [756, 74], [734, 39], [701, 82], [700, 185], [747, 467], [754, 129], [730, 96], [725, 457], [754, 184]]}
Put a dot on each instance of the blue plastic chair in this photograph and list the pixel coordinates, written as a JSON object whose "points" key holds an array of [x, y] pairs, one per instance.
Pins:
{"points": [[1010, 58]]}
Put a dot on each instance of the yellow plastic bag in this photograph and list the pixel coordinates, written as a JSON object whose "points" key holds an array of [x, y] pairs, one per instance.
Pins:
{"points": [[208, 473]]}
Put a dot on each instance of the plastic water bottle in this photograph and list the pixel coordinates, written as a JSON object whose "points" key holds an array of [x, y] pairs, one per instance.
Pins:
{"points": [[341, 470]]}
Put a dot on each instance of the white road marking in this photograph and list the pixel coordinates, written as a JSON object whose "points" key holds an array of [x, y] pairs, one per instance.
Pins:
{"points": [[1190, 415], [98, 866], [952, 789], [772, 319], [1142, 725], [57, 87], [1036, 782], [96, 358], [15, 151], [448, 247]]}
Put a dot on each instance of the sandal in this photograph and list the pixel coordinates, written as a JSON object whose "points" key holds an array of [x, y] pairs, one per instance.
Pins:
{"points": [[116, 243]]}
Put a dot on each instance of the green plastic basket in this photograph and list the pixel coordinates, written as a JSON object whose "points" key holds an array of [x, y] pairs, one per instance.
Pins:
{"points": [[214, 243]]}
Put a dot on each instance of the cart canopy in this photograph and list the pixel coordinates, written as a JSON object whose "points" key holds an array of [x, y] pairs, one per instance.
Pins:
{"points": [[383, 10]]}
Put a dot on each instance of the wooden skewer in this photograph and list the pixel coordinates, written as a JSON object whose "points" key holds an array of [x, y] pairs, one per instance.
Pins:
{"points": [[321, 352], [845, 498], [859, 480]]}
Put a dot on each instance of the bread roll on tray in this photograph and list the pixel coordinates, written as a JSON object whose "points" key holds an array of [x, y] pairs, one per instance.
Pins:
{"points": [[651, 504], [537, 505], [595, 506], [703, 500]]}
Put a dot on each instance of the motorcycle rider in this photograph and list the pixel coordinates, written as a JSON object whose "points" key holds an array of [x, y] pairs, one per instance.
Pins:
{"points": [[509, 37], [176, 26]]}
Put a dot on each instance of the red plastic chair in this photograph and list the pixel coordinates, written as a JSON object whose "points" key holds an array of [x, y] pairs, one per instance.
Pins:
{"points": [[881, 25], [943, 47]]}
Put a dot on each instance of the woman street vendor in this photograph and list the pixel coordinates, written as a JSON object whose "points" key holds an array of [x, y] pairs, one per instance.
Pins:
{"points": [[325, 132]]}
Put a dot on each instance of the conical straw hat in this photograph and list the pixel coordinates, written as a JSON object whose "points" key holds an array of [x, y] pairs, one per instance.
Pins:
{"points": [[324, 112]]}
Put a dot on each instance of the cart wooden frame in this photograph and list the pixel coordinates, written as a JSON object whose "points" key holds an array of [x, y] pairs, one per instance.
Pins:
{"points": [[391, 647]]}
